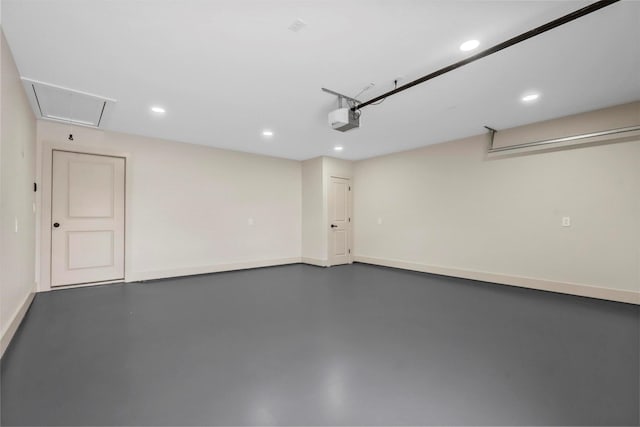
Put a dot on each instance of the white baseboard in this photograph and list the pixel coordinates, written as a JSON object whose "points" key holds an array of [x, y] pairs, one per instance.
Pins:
{"points": [[205, 269], [11, 329], [619, 295], [316, 261]]}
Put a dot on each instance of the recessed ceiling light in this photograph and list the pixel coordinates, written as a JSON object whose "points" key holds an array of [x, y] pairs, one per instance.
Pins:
{"points": [[267, 132], [530, 97], [469, 45], [158, 110], [338, 148]]}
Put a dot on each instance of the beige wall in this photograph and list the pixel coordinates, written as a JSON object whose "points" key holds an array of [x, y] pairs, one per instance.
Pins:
{"points": [[17, 175], [336, 167], [312, 212], [446, 208], [189, 206]]}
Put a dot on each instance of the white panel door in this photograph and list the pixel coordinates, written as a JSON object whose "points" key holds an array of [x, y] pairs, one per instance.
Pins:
{"points": [[87, 218], [339, 221]]}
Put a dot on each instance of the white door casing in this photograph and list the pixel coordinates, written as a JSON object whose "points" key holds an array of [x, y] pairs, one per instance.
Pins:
{"points": [[87, 218], [339, 221]]}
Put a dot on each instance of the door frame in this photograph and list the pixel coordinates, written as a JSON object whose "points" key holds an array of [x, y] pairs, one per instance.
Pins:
{"points": [[328, 218], [43, 221]]}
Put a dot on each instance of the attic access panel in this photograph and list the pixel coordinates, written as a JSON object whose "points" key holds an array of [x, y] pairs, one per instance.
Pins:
{"points": [[66, 105]]}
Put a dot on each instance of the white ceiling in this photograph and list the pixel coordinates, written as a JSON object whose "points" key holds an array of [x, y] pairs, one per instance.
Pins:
{"points": [[227, 69]]}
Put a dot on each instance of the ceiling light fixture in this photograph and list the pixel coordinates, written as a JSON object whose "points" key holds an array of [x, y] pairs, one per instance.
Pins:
{"points": [[158, 110], [267, 132], [469, 45], [530, 97], [338, 148]]}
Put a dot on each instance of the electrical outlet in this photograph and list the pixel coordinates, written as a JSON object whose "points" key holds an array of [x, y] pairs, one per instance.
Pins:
{"points": [[566, 221]]}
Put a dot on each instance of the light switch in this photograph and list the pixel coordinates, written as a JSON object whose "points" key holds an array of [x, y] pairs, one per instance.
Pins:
{"points": [[250, 221], [16, 223], [379, 220], [566, 221]]}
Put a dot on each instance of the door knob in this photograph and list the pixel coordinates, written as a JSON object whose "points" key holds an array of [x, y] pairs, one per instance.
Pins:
{"points": [[334, 226], [56, 224]]}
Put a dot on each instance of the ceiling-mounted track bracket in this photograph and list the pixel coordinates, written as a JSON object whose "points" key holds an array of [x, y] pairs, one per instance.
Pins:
{"points": [[492, 135], [342, 98]]}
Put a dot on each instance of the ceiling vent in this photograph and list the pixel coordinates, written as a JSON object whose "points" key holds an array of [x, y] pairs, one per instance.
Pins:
{"points": [[297, 25], [66, 105]]}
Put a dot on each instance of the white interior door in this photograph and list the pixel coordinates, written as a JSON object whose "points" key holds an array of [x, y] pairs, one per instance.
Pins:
{"points": [[87, 218], [339, 221]]}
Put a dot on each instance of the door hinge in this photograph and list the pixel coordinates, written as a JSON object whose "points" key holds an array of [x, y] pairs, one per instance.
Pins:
{"points": [[35, 187], [349, 219], [349, 250], [349, 188]]}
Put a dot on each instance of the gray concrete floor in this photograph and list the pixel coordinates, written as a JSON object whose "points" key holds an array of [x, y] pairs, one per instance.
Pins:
{"points": [[302, 345]]}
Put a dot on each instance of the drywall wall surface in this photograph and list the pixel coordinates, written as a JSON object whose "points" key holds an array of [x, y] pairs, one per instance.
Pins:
{"points": [[312, 208], [449, 206], [17, 175], [336, 167], [192, 209]]}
